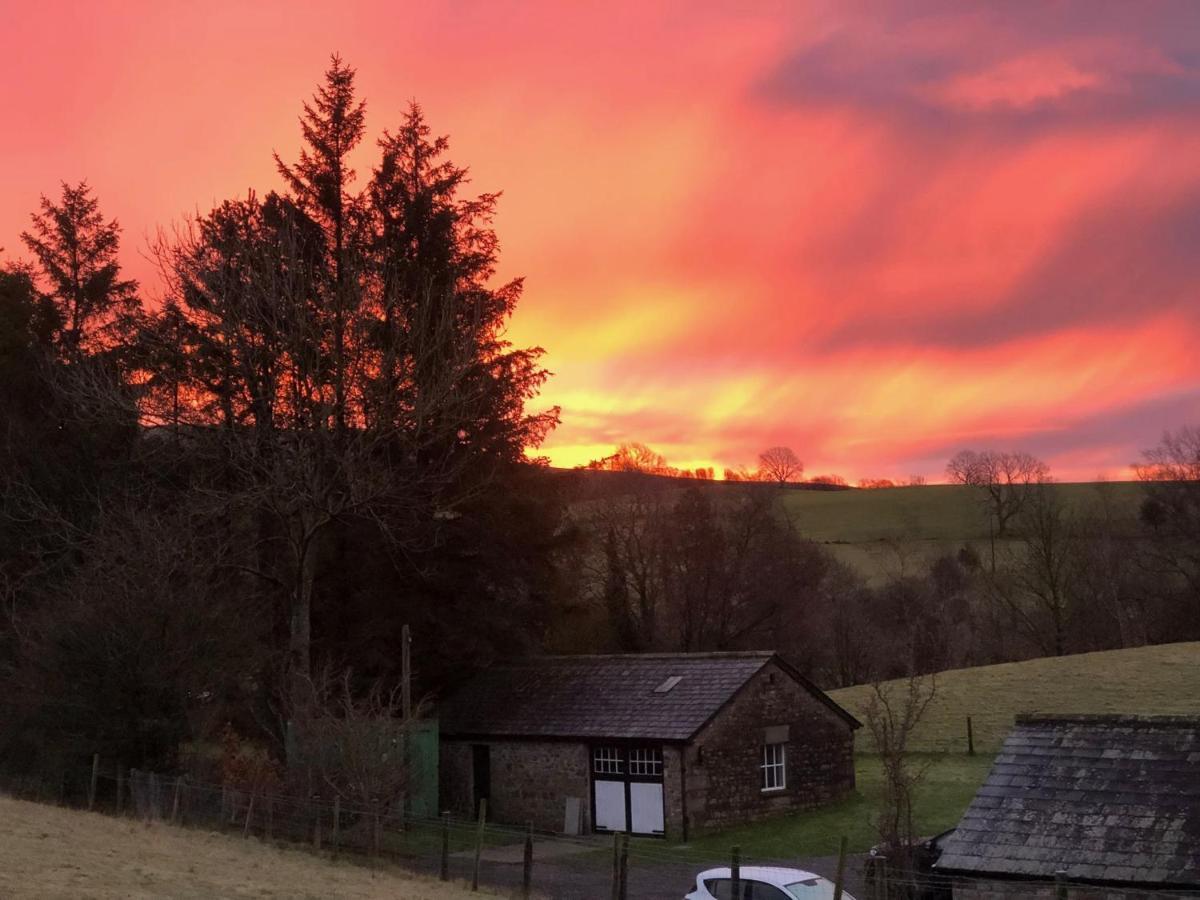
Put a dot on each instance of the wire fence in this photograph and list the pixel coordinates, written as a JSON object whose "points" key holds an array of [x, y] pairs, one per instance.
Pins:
{"points": [[520, 862]]}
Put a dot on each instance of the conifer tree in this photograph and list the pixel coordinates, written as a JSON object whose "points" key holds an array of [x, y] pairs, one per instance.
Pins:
{"points": [[332, 125], [434, 254], [76, 253]]}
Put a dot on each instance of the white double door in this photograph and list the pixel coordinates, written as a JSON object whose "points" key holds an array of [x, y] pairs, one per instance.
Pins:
{"points": [[635, 806], [627, 791]]}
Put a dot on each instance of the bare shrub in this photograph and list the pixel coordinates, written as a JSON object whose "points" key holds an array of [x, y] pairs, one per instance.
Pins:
{"points": [[892, 714]]}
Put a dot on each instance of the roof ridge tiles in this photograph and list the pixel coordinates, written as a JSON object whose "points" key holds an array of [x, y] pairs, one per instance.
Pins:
{"points": [[633, 657], [1108, 719]]}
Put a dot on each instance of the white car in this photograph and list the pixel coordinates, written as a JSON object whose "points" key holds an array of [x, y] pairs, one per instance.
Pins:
{"points": [[763, 883]]}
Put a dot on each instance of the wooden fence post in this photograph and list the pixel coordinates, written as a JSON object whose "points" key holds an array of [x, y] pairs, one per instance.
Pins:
{"points": [[616, 866], [337, 824], [92, 783], [376, 830], [444, 874], [882, 882], [735, 873], [840, 880], [249, 813], [527, 875], [175, 800], [623, 891], [120, 788], [270, 817], [970, 738], [315, 805], [479, 843]]}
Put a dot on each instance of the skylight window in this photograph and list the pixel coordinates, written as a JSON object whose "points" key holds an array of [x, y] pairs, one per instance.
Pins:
{"points": [[668, 684]]}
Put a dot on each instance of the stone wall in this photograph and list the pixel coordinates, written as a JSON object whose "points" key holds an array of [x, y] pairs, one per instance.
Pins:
{"points": [[673, 789], [724, 775], [530, 781], [996, 889]]}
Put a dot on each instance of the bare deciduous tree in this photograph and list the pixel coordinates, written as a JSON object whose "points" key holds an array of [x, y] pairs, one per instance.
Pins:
{"points": [[892, 714], [1044, 570], [780, 464], [1170, 476], [356, 739], [1004, 477]]}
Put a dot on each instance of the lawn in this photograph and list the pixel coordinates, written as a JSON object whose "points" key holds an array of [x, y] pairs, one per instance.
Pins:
{"points": [[48, 852], [1163, 680], [950, 782]]}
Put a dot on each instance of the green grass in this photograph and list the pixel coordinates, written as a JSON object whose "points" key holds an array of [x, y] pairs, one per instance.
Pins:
{"points": [[935, 512], [950, 783], [894, 531], [1162, 680]]}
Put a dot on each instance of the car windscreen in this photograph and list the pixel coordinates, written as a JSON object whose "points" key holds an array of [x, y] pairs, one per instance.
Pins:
{"points": [[811, 889]]}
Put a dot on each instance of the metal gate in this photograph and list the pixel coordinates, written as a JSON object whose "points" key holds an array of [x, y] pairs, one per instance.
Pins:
{"points": [[627, 789]]}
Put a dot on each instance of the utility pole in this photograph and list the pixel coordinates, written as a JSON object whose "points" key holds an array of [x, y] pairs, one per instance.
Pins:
{"points": [[406, 673]]}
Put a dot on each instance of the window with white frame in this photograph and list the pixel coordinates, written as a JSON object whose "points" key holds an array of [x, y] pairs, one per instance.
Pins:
{"points": [[645, 761], [774, 767], [607, 761]]}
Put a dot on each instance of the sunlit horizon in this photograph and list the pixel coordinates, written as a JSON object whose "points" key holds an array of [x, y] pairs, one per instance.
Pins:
{"points": [[876, 233]]}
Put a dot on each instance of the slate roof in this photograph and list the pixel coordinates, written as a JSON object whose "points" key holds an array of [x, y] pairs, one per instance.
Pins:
{"points": [[1108, 799], [605, 696]]}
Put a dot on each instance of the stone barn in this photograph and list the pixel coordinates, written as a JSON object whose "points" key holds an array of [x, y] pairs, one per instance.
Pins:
{"points": [[653, 744], [1110, 802]]}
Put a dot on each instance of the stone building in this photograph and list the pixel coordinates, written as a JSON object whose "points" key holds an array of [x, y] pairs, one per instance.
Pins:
{"points": [[1110, 802], [652, 744]]}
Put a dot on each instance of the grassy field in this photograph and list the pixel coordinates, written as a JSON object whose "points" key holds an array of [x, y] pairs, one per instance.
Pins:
{"points": [[895, 531], [892, 531], [1161, 680], [949, 785], [47, 852]]}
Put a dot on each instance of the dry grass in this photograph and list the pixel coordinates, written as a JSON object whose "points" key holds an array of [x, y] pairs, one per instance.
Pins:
{"points": [[47, 852], [1161, 680]]}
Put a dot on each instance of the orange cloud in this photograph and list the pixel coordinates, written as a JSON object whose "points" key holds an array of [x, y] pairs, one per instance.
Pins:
{"points": [[875, 234]]}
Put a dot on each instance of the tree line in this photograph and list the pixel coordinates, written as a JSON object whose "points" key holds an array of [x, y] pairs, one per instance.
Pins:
{"points": [[219, 510], [682, 568], [319, 435]]}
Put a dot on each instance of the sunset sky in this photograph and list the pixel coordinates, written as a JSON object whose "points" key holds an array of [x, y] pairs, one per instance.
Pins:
{"points": [[878, 233]]}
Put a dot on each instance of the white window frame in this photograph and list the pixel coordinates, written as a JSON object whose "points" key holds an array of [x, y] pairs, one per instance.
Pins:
{"points": [[608, 761], [774, 767], [645, 761]]}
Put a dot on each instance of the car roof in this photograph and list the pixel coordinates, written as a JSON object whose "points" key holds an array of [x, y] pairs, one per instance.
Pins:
{"points": [[778, 875]]}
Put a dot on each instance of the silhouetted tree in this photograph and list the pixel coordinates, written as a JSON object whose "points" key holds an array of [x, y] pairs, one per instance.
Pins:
{"points": [[333, 124], [1006, 479], [635, 457], [348, 356], [780, 464], [76, 254], [1170, 512], [1045, 570]]}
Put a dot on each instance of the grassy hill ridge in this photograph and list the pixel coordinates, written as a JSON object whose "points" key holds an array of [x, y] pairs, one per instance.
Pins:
{"points": [[1158, 680], [887, 531]]}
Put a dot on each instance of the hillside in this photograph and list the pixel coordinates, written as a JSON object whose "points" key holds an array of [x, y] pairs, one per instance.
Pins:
{"points": [[894, 531], [1162, 680], [48, 852], [885, 532]]}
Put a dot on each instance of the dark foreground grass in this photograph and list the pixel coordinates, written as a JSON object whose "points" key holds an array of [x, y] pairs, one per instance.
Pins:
{"points": [[950, 782]]}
